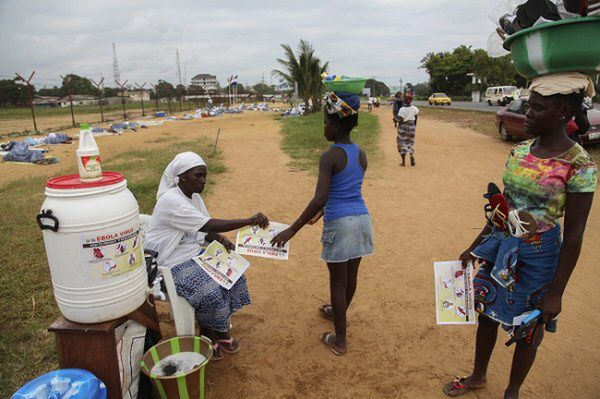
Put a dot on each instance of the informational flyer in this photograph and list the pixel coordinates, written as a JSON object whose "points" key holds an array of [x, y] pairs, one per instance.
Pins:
{"points": [[112, 253], [454, 293], [224, 267], [255, 241]]}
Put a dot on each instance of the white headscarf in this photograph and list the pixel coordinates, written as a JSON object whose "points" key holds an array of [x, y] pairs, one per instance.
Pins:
{"points": [[180, 164]]}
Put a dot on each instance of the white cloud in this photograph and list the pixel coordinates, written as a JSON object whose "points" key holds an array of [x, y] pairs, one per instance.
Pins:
{"points": [[383, 38]]}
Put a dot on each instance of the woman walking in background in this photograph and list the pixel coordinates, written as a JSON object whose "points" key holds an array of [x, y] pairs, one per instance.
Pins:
{"points": [[407, 124]]}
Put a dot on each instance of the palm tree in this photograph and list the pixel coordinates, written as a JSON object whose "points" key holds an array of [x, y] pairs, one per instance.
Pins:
{"points": [[305, 70]]}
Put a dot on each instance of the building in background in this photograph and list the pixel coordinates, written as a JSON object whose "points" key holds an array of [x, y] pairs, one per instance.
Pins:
{"points": [[475, 88], [79, 99], [208, 82], [138, 95]]}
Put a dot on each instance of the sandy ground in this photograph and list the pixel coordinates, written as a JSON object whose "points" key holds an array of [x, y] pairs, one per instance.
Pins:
{"points": [[421, 214]]}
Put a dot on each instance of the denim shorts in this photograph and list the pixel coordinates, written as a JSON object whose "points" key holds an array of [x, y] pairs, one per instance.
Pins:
{"points": [[347, 238]]}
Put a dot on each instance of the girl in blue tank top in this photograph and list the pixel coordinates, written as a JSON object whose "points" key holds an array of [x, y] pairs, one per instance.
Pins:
{"points": [[347, 233]]}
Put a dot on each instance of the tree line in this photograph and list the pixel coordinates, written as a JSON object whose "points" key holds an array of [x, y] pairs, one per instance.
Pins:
{"points": [[13, 93], [448, 71]]}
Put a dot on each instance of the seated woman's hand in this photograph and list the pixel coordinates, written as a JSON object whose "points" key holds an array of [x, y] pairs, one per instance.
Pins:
{"points": [[259, 219], [280, 239], [226, 242]]}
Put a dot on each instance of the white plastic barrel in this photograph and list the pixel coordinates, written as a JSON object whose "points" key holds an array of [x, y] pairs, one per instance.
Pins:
{"points": [[94, 247]]}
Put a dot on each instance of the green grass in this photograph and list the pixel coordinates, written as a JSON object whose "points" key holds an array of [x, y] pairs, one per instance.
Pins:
{"points": [[304, 140], [27, 304]]}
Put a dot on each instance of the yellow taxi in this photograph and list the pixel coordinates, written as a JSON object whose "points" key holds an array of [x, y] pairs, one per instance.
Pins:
{"points": [[439, 99]]}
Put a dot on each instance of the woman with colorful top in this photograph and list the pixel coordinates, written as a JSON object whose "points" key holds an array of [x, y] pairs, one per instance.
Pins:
{"points": [[179, 230], [545, 178], [347, 233], [407, 127]]}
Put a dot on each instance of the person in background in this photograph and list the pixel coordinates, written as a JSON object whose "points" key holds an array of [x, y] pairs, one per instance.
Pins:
{"points": [[347, 233], [407, 127], [547, 177], [396, 105], [179, 230]]}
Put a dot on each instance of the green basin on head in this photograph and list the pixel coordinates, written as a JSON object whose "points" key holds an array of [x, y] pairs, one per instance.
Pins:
{"points": [[351, 85], [570, 45]]}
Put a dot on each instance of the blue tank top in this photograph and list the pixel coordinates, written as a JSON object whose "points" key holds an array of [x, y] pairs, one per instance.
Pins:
{"points": [[345, 196]]}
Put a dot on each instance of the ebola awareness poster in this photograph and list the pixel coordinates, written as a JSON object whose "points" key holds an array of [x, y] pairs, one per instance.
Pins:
{"points": [[255, 241], [224, 267], [454, 293], [113, 253]]}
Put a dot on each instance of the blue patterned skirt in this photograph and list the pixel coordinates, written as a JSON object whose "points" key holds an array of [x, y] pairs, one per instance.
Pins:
{"points": [[213, 304], [515, 273]]}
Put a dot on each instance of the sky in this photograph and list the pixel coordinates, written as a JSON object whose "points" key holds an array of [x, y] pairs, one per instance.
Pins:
{"points": [[382, 39]]}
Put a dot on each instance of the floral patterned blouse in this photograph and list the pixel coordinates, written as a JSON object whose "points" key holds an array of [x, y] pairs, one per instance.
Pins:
{"points": [[540, 185]]}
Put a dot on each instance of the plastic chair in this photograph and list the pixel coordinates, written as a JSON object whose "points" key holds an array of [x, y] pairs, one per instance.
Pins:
{"points": [[182, 311]]}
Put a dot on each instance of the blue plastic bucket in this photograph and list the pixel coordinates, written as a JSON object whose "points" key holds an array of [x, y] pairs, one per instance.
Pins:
{"points": [[70, 383]]}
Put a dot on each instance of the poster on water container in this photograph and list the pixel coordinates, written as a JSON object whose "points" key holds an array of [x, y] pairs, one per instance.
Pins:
{"points": [[113, 252], [255, 241]]}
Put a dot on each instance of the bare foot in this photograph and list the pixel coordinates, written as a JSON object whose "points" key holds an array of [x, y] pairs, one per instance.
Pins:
{"points": [[329, 341]]}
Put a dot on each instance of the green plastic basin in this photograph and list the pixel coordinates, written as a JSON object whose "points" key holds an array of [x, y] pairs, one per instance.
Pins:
{"points": [[351, 85], [570, 45]]}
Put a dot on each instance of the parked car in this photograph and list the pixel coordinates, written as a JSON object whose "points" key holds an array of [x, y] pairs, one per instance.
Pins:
{"points": [[511, 122], [439, 99], [501, 95]]}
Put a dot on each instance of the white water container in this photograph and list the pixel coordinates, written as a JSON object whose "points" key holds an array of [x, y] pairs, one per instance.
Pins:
{"points": [[94, 247]]}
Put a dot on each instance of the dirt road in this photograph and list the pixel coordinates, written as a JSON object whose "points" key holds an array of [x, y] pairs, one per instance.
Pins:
{"points": [[421, 214]]}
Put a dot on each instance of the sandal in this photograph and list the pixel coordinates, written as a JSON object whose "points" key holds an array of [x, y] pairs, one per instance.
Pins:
{"points": [[325, 339], [217, 355], [326, 311], [229, 346], [459, 386]]}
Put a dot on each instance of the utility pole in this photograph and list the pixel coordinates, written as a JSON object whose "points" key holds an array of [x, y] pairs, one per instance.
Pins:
{"points": [[69, 94], [100, 97], [122, 86], [30, 93], [155, 95], [142, 96], [401, 86], [116, 75]]}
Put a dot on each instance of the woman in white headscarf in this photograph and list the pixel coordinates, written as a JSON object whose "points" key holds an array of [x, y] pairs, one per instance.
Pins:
{"points": [[181, 226]]}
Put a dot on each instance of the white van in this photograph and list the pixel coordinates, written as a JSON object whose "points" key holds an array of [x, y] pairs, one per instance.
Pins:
{"points": [[501, 95]]}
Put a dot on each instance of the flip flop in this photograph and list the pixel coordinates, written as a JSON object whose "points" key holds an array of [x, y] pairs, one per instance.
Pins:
{"points": [[217, 355], [325, 340], [234, 346], [458, 387], [326, 311]]}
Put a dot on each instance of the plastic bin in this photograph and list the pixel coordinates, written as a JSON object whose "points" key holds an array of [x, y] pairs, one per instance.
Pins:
{"points": [[570, 45], [66, 383], [184, 385]]}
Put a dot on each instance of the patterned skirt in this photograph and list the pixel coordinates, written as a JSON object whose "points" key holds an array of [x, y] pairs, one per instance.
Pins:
{"points": [[406, 137], [213, 304], [515, 273]]}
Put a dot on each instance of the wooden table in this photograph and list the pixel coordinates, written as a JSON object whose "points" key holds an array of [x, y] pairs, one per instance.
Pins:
{"points": [[93, 346]]}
